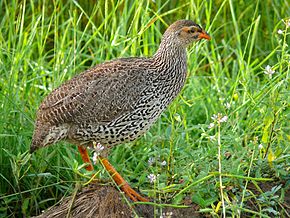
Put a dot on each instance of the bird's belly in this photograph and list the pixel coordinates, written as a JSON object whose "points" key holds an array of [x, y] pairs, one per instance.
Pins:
{"points": [[123, 129]]}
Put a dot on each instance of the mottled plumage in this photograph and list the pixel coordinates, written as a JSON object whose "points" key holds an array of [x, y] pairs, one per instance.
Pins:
{"points": [[117, 101]]}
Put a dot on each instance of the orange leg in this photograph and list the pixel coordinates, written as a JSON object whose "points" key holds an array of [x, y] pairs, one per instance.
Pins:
{"points": [[86, 158], [122, 182]]}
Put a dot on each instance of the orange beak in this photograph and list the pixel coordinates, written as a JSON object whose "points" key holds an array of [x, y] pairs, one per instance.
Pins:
{"points": [[204, 35]]}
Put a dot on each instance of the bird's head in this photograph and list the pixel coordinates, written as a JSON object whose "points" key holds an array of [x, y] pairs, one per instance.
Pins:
{"points": [[184, 32]]}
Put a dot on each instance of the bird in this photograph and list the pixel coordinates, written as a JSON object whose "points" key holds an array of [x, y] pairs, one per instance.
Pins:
{"points": [[117, 101]]}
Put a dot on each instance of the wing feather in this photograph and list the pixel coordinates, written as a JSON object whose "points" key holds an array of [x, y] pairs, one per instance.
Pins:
{"points": [[98, 95]]}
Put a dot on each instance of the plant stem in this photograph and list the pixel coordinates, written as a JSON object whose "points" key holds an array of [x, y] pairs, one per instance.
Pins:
{"points": [[220, 169]]}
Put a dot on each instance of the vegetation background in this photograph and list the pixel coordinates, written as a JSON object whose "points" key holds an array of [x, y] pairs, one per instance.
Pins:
{"points": [[239, 167]]}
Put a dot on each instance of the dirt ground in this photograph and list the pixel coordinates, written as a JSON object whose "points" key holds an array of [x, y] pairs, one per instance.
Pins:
{"points": [[105, 201]]}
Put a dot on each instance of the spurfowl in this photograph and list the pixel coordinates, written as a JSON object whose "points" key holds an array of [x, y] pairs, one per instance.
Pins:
{"points": [[117, 101]]}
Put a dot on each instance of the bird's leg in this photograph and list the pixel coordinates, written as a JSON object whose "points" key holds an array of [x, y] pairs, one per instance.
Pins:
{"points": [[125, 187], [86, 158]]}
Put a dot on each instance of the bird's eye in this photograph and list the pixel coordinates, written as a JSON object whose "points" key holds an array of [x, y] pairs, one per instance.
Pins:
{"points": [[191, 30]]}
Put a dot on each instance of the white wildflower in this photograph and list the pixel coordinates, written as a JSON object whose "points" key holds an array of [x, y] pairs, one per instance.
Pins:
{"points": [[212, 138], [287, 23], [280, 31], [227, 105], [151, 160], [95, 158], [152, 178], [163, 163], [166, 214], [211, 125], [98, 148], [269, 71], [214, 117], [260, 146], [223, 119]]}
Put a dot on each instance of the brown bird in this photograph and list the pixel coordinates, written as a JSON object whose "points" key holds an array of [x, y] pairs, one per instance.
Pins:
{"points": [[117, 101]]}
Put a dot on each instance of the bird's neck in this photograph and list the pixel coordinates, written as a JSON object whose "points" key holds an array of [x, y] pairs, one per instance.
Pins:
{"points": [[171, 59], [170, 65], [170, 55]]}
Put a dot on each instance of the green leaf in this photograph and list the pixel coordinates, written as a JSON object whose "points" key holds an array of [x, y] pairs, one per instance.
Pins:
{"points": [[267, 123]]}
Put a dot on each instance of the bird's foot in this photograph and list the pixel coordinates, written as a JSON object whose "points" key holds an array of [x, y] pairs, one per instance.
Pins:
{"points": [[132, 194], [125, 187]]}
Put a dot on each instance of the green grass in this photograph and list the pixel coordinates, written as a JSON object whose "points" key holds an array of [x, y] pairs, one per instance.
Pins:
{"points": [[44, 44]]}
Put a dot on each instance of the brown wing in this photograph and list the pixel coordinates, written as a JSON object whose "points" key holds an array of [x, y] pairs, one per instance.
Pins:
{"points": [[98, 95]]}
